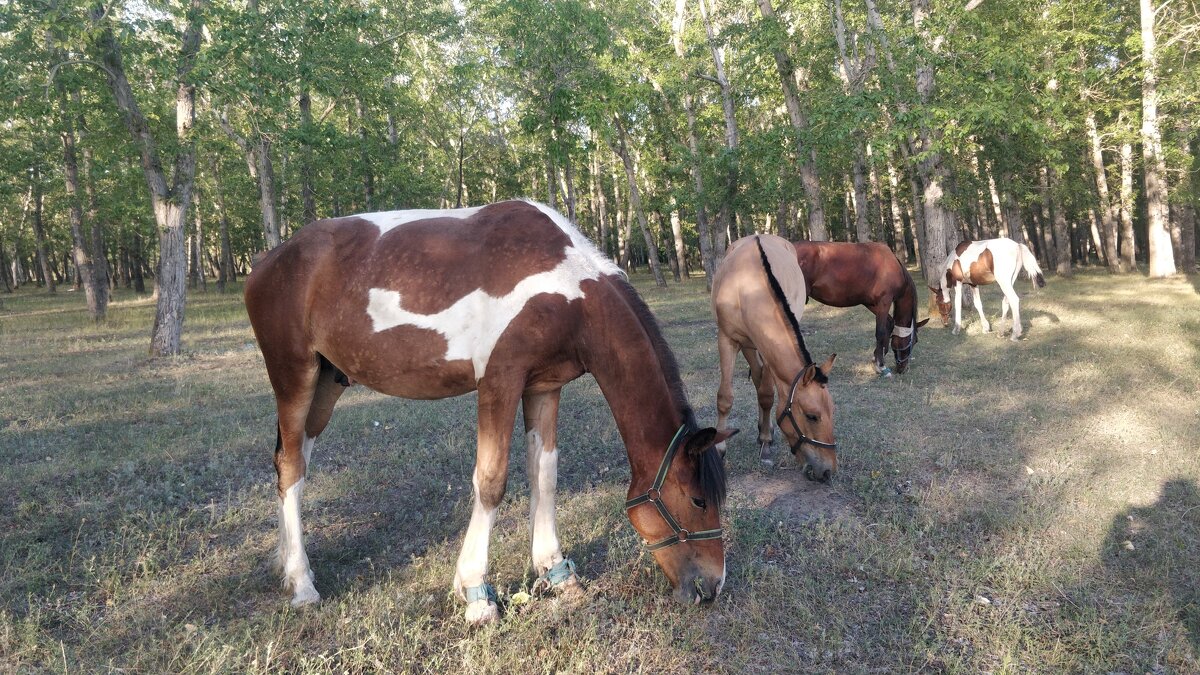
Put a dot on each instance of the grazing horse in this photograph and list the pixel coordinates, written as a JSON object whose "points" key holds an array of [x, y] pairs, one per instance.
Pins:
{"points": [[754, 291], [977, 263], [508, 300], [842, 274]]}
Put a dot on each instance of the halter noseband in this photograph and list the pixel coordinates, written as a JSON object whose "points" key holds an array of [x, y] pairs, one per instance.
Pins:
{"points": [[787, 412], [654, 496], [912, 341]]}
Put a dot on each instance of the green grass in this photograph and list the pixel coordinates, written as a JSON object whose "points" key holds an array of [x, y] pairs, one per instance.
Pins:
{"points": [[982, 520]]}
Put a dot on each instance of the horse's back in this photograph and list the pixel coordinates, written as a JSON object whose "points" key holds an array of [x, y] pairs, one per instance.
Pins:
{"points": [[843, 274], [741, 288]]}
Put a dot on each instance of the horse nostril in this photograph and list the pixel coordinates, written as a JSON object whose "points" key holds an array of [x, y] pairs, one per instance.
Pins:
{"points": [[826, 476]]}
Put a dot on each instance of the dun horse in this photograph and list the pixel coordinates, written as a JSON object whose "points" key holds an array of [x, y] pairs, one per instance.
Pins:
{"points": [[754, 293], [978, 263], [508, 300], [868, 274]]}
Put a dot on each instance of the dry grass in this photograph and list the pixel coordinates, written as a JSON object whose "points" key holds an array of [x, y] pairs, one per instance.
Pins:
{"points": [[982, 522]]}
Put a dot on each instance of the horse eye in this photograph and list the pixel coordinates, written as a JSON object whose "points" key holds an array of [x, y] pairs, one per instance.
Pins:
{"points": [[812, 418], [700, 503]]}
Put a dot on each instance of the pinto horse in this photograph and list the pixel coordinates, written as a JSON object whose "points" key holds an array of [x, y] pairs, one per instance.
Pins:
{"points": [[978, 263], [508, 300], [842, 274], [754, 291]]}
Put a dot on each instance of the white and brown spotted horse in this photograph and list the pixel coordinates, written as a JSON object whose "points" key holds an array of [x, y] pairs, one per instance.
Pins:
{"points": [[509, 300], [978, 263]]}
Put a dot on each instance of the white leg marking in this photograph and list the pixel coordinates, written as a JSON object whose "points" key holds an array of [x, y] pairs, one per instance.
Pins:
{"points": [[958, 290], [1010, 294], [296, 572], [473, 558], [307, 448], [543, 482], [978, 299]]}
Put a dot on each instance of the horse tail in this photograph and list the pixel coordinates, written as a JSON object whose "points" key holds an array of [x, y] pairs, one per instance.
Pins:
{"points": [[782, 297], [1030, 263]]}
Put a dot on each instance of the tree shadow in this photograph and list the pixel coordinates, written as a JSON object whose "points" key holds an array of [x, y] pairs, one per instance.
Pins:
{"points": [[1154, 552]]}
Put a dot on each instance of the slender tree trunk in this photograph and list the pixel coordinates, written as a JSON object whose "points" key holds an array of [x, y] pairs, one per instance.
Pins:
{"points": [[901, 246], [727, 216], [677, 239], [1162, 260], [807, 156], [307, 195], [97, 300], [601, 200], [569, 178], [39, 233], [708, 256], [1128, 240], [635, 202], [1062, 236], [262, 170], [1107, 211], [1050, 253]]}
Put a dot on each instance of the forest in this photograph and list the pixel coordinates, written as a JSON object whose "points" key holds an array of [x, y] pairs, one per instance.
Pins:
{"points": [[161, 146]]}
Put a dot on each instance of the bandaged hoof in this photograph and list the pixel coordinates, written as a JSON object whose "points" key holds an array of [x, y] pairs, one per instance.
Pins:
{"points": [[482, 612]]}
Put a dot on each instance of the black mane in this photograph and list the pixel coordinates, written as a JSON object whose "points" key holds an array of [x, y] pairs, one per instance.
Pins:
{"points": [[710, 467], [787, 308]]}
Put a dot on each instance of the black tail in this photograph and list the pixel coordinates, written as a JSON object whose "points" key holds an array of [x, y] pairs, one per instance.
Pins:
{"points": [[787, 308]]}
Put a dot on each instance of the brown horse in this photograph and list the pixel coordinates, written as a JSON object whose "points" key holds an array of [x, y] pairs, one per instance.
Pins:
{"points": [[511, 301], [868, 274], [754, 291]]}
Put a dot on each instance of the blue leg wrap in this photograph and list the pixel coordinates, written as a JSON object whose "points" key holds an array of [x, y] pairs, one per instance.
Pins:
{"points": [[483, 591]]}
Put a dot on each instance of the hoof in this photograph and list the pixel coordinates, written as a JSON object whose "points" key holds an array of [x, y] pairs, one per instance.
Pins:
{"points": [[305, 597], [766, 454], [569, 589], [885, 372], [482, 612]]}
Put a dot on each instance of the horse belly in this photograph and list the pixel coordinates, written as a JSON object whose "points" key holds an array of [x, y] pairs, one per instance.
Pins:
{"points": [[406, 362]]}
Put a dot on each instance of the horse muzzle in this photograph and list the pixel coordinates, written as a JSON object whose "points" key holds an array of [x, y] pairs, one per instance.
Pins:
{"points": [[698, 590], [819, 475]]}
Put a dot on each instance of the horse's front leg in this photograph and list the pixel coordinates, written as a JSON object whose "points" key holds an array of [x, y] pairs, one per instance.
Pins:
{"points": [[497, 410], [978, 300], [1011, 298], [726, 350], [760, 374], [541, 430], [958, 291], [883, 331]]}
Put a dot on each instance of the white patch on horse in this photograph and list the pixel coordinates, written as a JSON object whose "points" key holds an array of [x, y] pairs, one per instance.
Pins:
{"points": [[543, 482], [296, 572], [473, 325], [387, 220], [472, 565], [901, 331], [579, 241]]}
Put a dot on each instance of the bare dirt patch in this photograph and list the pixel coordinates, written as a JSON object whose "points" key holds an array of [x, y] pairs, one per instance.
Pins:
{"points": [[788, 493]]}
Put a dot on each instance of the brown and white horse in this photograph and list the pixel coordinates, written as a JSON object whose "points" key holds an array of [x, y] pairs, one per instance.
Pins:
{"points": [[509, 300], [978, 263], [754, 292], [841, 274]]}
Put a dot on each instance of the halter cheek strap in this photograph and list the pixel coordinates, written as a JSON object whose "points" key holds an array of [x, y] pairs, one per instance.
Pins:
{"points": [[910, 333], [654, 496], [787, 413]]}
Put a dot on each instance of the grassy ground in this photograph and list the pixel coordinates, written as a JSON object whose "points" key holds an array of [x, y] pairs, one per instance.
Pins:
{"points": [[1027, 507]]}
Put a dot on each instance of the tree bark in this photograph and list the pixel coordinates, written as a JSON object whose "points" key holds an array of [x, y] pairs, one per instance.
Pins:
{"points": [[727, 215], [1048, 245], [635, 202], [1128, 244], [1062, 236], [1108, 216], [807, 156], [708, 257], [170, 203], [97, 299], [939, 221], [1162, 260], [307, 194], [901, 246], [39, 233]]}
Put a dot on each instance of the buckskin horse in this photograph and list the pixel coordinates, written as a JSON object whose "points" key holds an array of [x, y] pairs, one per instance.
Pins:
{"points": [[509, 300], [754, 291], [978, 263], [842, 274]]}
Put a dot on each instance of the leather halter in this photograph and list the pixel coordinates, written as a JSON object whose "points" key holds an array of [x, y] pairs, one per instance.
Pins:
{"points": [[787, 412], [912, 341], [654, 496]]}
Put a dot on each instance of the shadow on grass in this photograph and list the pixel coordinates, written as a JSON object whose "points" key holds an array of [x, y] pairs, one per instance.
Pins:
{"points": [[1154, 551]]}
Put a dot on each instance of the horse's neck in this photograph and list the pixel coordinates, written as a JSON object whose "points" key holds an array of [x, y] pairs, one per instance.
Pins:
{"points": [[904, 311], [621, 356]]}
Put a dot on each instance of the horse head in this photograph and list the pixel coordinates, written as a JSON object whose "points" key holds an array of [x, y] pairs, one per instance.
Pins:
{"points": [[904, 340], [683, 530], [939, 296], [808, 412]]}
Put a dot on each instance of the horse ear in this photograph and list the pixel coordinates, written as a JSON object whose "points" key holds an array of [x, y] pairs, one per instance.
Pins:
{"points": [[828, 365], [699, 442], [922, 323]]}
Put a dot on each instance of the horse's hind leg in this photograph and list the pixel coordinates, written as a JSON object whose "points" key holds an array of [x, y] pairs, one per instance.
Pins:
{"points": [[978, 300], [726, 350], [1010, 295], [764, 386], [541, 431], [295, 387]]}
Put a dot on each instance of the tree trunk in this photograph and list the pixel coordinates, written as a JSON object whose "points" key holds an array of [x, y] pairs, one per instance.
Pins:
{"points": [[307, 195], [97, 300], [677, 238], [1162, 260], [901, 246], [939, 221], [1107, 216], [727, 217], [1050, 253], [601, 201], [708, 257], [39, 233], [1062, 236], [262, 170], [569, 178], [807, 156], [170, 203], [635, 202], [1128, 244]]}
